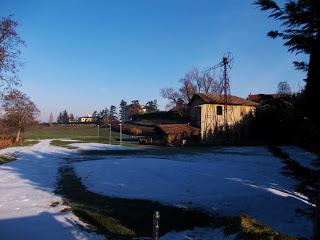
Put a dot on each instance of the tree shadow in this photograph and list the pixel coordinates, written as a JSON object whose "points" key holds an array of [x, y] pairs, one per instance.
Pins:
{"points": [[42, 226]]}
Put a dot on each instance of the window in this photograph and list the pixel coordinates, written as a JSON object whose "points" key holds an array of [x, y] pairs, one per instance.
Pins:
{"points": [[219, 110]]}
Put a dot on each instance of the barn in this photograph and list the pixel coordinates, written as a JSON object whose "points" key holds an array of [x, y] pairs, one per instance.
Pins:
{"points": [[208, 111]]}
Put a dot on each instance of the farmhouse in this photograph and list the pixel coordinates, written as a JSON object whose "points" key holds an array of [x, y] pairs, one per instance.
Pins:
{"points": [[207, 111]]}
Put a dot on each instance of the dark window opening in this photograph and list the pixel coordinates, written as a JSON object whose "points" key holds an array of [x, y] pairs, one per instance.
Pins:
{"points": [[219, 110]]}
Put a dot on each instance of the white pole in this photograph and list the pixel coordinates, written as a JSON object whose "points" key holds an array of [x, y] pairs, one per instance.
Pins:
{"points": [[98, 130], [109, 134], [120, 134]]}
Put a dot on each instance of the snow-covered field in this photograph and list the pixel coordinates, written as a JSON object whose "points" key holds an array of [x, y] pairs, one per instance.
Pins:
{"points": [[223, 180], [227, 181], [26, 193]]}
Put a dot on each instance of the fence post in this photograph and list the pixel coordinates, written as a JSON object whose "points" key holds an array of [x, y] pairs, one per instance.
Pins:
{"points": [[156, 225]]}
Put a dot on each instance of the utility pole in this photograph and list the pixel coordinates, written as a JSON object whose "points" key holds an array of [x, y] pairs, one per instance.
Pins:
{"points": [[120, 133], [156, 225], [225, 92], [109, 134]]}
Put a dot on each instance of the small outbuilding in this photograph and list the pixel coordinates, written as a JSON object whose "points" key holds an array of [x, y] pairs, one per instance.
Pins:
{"points": [[177, 133], [210, 111]]}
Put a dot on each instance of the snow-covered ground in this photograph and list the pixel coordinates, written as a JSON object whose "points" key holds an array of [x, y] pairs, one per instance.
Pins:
{"points": [[223, 180], [26, 193], [197, 234], [98, 146], [227, 181], [304, 158]]}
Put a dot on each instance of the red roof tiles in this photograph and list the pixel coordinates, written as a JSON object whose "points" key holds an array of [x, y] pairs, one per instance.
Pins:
{"points": [[179, 129], [218, 99]]}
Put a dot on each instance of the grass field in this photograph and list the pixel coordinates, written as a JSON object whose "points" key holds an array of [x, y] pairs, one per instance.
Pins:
{"points": [[67, 131], [82, 133]]}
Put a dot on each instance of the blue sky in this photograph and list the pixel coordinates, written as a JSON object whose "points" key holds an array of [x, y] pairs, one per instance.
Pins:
{"points": [[85, 55]]}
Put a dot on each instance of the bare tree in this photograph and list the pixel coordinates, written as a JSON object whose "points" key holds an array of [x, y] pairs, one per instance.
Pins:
{"points": [[202, 81], [188, 89], [284, 88], [10, 42], [208, 83], [20, 111], [172, 95], [193, 81]]}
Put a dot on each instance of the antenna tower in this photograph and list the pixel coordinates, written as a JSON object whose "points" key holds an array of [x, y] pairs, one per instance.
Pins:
{"points": [[224, 86]]}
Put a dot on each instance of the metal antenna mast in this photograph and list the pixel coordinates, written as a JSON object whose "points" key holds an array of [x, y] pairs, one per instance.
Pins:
{"points": [[225, 65], [225, 91]]}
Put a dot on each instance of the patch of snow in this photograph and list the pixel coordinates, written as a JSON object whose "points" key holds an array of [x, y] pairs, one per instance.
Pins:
{"points": [[301, 156], [99, 146], [26, 195], [66, 139], [228, 181], [197, 234]]}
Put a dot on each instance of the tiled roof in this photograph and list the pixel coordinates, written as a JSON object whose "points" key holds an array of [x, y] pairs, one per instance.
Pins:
{"points": [[218, 99], [263, 97], [179, 129]]}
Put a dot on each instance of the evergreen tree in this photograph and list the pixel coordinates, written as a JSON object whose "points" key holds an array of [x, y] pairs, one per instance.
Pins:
{"points": [[152, 106], [101, 116], [301, 20], [60, 118], [123, 112], [113, 113], [65, 117], [134, 108]]}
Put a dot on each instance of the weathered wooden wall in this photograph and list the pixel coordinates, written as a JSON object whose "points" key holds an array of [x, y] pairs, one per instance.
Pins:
{"points": [[210, 120]]}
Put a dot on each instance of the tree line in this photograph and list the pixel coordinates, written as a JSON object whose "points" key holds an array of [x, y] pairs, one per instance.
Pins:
{"points": [[110, 115]]}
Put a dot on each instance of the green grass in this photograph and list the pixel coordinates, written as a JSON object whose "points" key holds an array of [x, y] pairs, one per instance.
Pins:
{"points": [[64, 144], [247, 228], [25, 143], [82, 133], [66, 131], [6, 159]]}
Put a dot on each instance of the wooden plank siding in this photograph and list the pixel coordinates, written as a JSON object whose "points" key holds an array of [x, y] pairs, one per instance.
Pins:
{"points": [[207, 112]]}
